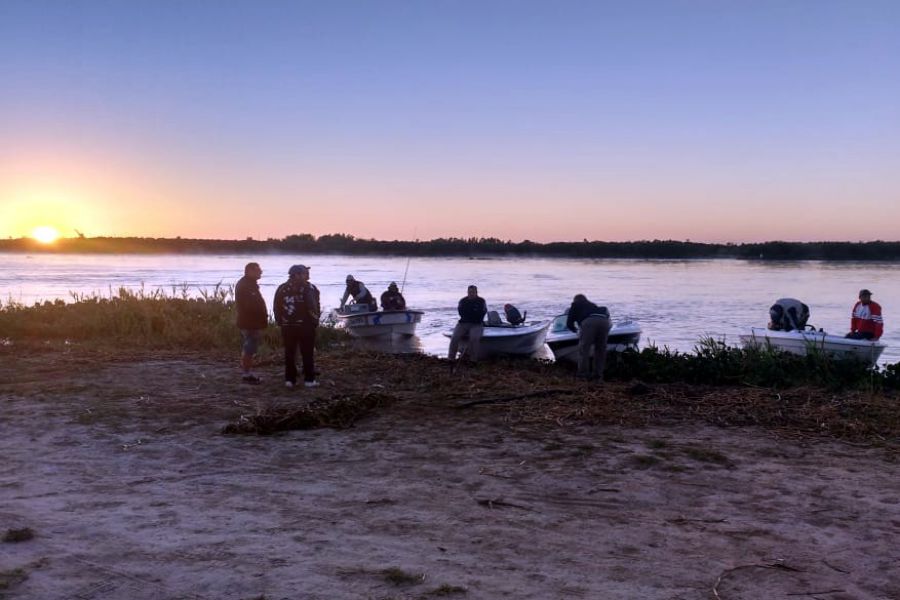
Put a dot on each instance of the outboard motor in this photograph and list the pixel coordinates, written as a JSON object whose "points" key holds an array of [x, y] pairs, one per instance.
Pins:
{"points": [[513, 316]]}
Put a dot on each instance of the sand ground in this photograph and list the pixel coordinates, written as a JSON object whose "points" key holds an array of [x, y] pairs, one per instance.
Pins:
{"points": [[132, 492]]}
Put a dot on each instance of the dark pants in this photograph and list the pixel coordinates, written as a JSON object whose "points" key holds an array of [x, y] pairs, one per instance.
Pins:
{"points": [[592, 336], [304, 337], [860, 335]]}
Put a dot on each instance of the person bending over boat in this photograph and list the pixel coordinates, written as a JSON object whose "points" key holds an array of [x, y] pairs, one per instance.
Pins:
{"points": [[593, 332], [866, 322], [297, 312], [392, 299], [471, 309], [357, 291], [252, 318], [788, 314]]}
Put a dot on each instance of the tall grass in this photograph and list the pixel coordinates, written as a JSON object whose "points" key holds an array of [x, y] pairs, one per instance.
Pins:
{"points": [[138, 319]]}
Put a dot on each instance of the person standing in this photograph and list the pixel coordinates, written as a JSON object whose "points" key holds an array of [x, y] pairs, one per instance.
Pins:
{"points": [[297, 313], [360, 294], [252, 318], [866, 322], [392, 299], [593, 331], [471, 309]]}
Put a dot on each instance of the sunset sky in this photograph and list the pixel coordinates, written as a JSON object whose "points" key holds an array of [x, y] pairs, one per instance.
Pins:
{"points": [[703, 120]]}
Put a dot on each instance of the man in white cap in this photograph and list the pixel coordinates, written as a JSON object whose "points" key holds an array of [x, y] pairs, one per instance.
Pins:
{"points": [[357, 291]]}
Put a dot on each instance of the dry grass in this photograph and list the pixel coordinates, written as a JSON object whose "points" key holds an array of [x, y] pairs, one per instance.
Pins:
{"points": [[541, 394], [337, 412], [526, 392]]}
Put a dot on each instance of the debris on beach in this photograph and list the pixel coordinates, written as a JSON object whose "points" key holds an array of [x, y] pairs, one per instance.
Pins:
{"points": [[18, 535], [338, 412]]}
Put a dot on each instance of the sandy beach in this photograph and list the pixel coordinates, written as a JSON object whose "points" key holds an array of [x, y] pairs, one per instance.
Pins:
{"points": [[119, 467]]}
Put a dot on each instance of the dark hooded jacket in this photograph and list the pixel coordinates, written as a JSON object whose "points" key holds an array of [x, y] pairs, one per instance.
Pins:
{"points": [[581, 310], [393, 300]]}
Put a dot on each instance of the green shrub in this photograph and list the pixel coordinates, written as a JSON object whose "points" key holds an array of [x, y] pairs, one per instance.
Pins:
{"points": [[714, 363], [139, 319]]}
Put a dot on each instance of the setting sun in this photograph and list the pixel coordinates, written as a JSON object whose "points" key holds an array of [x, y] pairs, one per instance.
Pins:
{"points": [[45, 234]]}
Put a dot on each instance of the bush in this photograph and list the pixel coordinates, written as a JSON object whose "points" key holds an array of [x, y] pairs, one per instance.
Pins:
{"points": [[139, 319], [714, 363]]}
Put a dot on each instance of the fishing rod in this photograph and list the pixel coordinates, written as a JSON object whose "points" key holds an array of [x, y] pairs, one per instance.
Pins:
{"points": [[406, 271], [403, 283]]}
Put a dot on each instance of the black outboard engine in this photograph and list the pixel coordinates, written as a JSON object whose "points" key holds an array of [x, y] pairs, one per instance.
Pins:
{"points": [[513, 316]]}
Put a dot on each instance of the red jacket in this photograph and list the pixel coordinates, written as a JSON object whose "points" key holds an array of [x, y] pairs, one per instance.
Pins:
{"points": [[866, 318]]}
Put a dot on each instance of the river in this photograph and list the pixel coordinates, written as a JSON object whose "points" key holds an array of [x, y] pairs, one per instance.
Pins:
{"points": [[676, 301]]}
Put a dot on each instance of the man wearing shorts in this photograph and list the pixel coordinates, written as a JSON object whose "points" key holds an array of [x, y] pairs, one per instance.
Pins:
{"points": [[252, 318]]}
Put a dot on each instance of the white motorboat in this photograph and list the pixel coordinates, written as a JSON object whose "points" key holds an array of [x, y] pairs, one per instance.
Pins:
{"points": [[564, 343], [506, 339], [803, 342], [359, 321]]}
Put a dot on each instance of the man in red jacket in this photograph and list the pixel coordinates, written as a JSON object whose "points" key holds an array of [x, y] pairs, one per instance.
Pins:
{"points": [[866, 322]]}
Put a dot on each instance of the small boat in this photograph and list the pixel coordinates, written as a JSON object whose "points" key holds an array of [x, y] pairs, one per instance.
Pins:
{"points": [[507, 339], [360, 321], [564, 343], [803, 342]]}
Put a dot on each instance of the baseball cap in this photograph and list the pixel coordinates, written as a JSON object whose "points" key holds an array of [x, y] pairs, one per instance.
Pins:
{"points": [[296, 269], [865, 292]]}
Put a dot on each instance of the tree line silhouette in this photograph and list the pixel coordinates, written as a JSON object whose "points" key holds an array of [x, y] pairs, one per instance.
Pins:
{"points": [[474, 247]]}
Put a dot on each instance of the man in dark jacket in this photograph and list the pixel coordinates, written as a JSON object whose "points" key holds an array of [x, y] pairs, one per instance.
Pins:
{"points": [[593, 331], [297, 312], [252, 318], [392, 299], [471, 311]]}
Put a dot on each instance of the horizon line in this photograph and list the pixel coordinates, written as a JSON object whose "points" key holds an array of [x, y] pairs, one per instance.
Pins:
{"points": [[352, 238]]}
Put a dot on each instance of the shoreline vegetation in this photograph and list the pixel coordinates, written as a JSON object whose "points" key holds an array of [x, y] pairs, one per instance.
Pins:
{"points": [[155, 321], [466, 247]]}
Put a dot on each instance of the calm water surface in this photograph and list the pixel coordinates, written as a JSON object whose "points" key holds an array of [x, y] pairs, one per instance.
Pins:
{"points": [[676, 302]]}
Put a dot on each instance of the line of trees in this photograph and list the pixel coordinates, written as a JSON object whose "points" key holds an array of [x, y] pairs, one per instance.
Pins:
{"points": [[305, 243]]}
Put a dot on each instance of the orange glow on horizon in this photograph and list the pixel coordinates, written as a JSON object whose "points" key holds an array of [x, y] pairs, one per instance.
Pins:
{"points": [[45, 234]]}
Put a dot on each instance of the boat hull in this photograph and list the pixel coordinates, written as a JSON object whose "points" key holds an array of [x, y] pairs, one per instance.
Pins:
{"points": [[805, 342], [520, 340], [380, 323], [564, 343]]}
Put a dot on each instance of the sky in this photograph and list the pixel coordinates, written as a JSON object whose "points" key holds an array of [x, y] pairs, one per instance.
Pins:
{"points": [[703, 120]]}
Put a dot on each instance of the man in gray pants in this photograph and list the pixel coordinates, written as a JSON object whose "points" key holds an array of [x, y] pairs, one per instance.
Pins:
{"points": [[472, 309], [593, 330]]}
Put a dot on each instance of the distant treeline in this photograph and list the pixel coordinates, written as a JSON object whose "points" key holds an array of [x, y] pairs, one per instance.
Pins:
{"points": [[472, 247]]}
